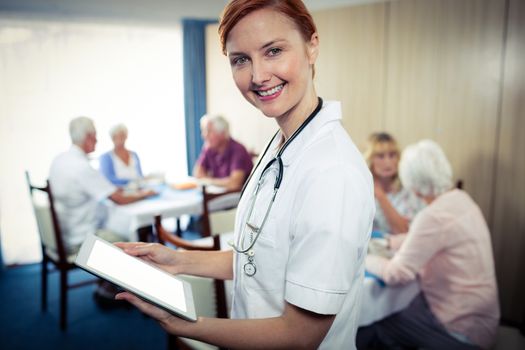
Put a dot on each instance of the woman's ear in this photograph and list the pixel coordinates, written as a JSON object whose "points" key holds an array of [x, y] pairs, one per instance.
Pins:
{"points": [[313, 48]]}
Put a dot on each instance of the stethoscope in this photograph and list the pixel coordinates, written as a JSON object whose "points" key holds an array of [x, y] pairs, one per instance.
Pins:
{"points": [[254, 230]]}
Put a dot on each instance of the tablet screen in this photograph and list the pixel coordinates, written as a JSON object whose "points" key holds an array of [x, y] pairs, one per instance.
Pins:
{"points": [[134, 273], [148, 282]]}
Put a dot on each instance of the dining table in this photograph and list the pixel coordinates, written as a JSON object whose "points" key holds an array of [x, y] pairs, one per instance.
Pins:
{"points": [[131, 220]]}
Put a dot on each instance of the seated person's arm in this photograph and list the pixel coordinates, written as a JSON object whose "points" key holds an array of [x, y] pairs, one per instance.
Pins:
{"points": [[233, 182], [138, 166], [199, 171], [398, 223], [120, 197], [420, 245], [108, 170]]}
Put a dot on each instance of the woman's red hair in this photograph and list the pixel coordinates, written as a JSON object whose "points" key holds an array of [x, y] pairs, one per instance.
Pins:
{"points": [[238, 9]]}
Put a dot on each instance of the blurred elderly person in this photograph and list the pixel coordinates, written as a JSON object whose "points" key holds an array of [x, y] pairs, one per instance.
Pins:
{"points": [[223, 161], [79, 189], [120, 165], [396, 206], [448, 248]]}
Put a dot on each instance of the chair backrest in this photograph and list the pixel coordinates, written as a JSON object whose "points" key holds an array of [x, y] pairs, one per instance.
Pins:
{"points": [[47, 219], [218, 211]]}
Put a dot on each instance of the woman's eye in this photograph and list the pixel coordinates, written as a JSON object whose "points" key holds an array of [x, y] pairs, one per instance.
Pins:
{"points": [[239, 61], [274, 51]]}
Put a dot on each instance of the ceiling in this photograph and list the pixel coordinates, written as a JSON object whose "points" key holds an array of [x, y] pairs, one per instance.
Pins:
{"points": [[167, 11]]}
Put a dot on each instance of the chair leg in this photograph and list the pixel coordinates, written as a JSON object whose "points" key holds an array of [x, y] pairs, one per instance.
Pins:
{"points": [[172, 342], [63, 299], [178, 230], [145, 233], [44, 283]]}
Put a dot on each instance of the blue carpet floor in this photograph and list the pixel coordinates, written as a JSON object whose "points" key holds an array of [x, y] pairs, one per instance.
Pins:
{"points": [[24, 326]]}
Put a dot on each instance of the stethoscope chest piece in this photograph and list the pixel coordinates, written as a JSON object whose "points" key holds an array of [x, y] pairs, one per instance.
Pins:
{"points": [[250, 269]]}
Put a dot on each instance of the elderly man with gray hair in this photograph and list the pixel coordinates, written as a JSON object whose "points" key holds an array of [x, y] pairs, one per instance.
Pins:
{"points": [[448, 249], [223, 161], [79, 190]]}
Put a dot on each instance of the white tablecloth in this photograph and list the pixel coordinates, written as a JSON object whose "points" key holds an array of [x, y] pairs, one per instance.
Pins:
{"points": [[380, 301], [126, 219], [170, 203]]}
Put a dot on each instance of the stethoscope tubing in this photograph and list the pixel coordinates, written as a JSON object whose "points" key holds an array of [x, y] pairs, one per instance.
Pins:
{"points": [[238, 247]]}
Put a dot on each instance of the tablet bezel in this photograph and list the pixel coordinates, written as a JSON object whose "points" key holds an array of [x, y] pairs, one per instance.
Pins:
{"points": [[81, 261]]}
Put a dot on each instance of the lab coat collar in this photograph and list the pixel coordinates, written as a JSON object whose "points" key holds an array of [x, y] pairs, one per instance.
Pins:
{"points": [[331, 111]]}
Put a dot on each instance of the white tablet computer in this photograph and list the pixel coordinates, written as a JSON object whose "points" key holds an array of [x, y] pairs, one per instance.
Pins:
{"points": [[148, 282]]}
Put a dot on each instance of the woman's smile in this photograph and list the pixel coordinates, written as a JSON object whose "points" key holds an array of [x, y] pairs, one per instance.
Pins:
{"points": [[269, 94]]}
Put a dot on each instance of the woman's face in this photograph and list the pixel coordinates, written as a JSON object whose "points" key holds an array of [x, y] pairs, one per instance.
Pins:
{"points": [[384, 161], [211, 137], [119, 139], [271, 63]]}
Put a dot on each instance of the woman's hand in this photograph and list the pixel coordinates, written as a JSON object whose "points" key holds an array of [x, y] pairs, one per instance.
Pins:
{"points": [[169, 322], [158, 254], [379, 193]]}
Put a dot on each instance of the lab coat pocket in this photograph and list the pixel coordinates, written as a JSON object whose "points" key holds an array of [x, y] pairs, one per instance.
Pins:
{"points": [[269, 274]]}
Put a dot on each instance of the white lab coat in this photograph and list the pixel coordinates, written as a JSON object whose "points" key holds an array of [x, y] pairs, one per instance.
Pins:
{"points": [[312, 248]]}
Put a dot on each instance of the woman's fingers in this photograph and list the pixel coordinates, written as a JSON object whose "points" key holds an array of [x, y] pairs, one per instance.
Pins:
{"points": [[147, 308], [136, 248], [124, 245]]}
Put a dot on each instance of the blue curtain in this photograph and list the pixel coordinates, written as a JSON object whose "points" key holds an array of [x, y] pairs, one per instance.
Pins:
{"points": [[194, 60]]}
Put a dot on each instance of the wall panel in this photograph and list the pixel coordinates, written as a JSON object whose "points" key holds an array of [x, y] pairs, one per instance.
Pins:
{"points": [[351, 64], [508, 222], [443, 80]]}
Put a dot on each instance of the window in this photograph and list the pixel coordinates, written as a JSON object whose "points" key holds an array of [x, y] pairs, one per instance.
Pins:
{"points": [[53, 71]]}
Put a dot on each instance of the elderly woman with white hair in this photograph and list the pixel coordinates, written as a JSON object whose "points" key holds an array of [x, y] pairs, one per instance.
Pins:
{"points": [[120, 165], [448, 248]]}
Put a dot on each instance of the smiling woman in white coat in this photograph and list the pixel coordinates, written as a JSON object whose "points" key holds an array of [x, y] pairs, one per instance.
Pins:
{"points": [[305, 215]]}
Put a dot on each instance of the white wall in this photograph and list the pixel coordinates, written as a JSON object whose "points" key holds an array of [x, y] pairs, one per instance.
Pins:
{"points": [[53, 71]]}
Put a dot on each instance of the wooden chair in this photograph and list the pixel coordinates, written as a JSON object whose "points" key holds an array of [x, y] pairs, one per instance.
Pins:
{"points": [[53, 248], [210, 295]]}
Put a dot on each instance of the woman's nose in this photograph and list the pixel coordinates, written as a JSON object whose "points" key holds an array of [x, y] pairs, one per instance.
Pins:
{"points": [[260, 72]]}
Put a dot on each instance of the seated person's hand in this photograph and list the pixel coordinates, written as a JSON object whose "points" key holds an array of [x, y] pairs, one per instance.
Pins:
{"points": [[379, 193], [380, 247], [148, 193], [186, 185]]}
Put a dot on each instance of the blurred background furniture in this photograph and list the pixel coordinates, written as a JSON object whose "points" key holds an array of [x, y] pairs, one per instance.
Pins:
{"points": [[53, 249]]}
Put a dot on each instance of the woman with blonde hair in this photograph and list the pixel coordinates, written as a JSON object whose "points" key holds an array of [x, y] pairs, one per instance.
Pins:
{"points": [[395, 206]]}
